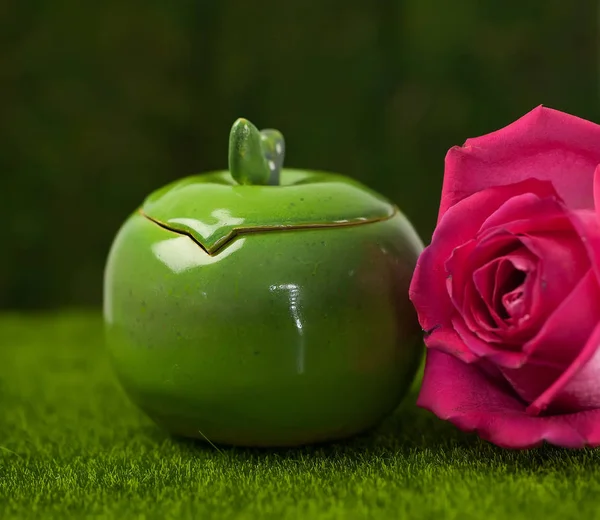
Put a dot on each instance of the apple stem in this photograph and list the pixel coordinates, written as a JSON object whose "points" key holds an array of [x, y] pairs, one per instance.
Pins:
{"points": [[255, 157], [273, 146]]}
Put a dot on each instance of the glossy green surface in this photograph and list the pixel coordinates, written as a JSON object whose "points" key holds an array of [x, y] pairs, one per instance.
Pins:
{"points": [[273, 145], [211, 207], [247, 162], [284, 337]]}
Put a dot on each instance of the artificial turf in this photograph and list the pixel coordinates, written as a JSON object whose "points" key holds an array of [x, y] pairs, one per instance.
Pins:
{"points": [[72, 446]]}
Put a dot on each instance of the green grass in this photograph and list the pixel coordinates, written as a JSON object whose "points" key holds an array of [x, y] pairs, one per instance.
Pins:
{"points": [[71, 446]]}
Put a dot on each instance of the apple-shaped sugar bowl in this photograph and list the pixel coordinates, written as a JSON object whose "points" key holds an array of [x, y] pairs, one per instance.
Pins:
{"points": [[263, 306]]}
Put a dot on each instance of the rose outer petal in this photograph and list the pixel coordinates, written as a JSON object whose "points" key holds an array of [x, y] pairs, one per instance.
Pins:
{"points": [[597, 189], [485, 350], [587, 224], [447, 340], [465, 396], [578, 386], [582, 392], [567, 329], [459, 225], [544, 144]]}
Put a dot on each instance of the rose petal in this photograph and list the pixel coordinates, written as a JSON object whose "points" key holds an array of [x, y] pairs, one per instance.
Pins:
{"points": [[567, 329], [520, 261], [544, 144], [564, 391], [447, 340], [459, 225], [467, 397], [488, 281], [582, 392], [597, 189], [514, 303], [587, 224], [457, 278], [467, 258], [563, 260], [495, 239], [477, 312], [558, 342], [530, 380], [578, 235], [492, 291], [528, 212], [484, 349], [485, 280]]}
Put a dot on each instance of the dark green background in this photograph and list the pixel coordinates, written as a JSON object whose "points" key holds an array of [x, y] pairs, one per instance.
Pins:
{"points": [[102, 102]]}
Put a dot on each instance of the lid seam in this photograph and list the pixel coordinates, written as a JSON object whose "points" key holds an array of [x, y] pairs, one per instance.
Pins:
{"points": [[235, 232]]}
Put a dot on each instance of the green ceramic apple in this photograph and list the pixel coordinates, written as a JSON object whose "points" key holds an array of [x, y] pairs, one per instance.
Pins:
{"points": [[261, 306]]}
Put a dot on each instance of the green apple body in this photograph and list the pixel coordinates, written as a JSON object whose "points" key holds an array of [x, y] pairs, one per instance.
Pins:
{"points": [[260, 315]]}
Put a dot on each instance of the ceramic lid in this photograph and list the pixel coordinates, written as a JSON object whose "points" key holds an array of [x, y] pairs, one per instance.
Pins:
{"points": [[212, 208]]}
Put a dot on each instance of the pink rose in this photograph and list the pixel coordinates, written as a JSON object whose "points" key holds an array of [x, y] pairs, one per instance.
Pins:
{"points": [[508, 291]]}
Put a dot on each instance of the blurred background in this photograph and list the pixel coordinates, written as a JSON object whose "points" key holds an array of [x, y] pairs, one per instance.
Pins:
{"points": [[101, 103]]}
